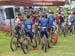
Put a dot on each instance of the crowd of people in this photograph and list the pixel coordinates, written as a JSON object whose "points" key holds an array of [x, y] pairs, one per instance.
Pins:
{"points": [[45, 23]]}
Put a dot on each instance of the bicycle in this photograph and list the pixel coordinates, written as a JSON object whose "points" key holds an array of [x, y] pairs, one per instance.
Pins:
{"points": [[44, 41], [53, 36], [14, 41], [37, 36], [26, 43], [14, 44]]}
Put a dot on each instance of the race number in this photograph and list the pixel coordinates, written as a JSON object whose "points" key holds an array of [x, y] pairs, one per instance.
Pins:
{"points": [[43, 28], [28, 26]]}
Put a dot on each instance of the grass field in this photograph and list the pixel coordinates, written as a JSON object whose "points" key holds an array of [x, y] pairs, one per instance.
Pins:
{"points": [[64, 47]]}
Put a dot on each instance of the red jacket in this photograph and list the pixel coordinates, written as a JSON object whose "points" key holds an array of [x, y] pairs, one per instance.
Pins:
{"points": [[57, 19]]}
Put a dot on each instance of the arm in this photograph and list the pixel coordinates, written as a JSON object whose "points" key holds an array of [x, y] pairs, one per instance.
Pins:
{"points": [[17, 22]]}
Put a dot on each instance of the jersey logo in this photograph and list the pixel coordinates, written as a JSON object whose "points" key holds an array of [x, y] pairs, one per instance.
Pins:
{"points": [[28, 26], [44, 28]]}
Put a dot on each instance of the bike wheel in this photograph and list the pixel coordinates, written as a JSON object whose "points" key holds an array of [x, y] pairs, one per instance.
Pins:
{"points": [[13, 43], [44, 48], [44, 45], [25, 47], [55, 38], [38, 38], [35, 43]]}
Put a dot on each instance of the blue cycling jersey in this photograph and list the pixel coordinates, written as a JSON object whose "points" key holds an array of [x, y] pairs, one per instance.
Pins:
{"points": [[51, 20], [73, 19], [28, 25], [43, 23]]}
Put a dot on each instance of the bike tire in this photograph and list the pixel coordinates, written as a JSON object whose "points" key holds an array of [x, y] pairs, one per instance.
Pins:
{"points": [[25, 47], [13, 41], [35, 43], [45, 49], [55, 38], [44, 44]]}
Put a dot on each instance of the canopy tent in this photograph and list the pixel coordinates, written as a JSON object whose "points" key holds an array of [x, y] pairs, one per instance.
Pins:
{"points": [[33, 2], [5, 2], [22, 2], [48, 2], [16, 2]]}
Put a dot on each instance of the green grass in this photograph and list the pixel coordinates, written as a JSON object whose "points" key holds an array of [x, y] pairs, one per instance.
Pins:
{"points": [[52, 8], [64, 47]]}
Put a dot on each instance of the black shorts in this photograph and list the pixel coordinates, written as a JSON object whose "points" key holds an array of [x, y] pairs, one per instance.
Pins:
{"points": [[18, 31], [30, 34], [42, 33]]}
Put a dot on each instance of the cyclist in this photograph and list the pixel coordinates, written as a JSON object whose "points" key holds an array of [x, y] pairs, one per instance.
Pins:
{"points": [[62, 24], [69, 21], [51, 19], [51, 24], [36, 26], [37, 32], [73, 22], [57, 17], [28, 24], [43, 23], [18, 25]]}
